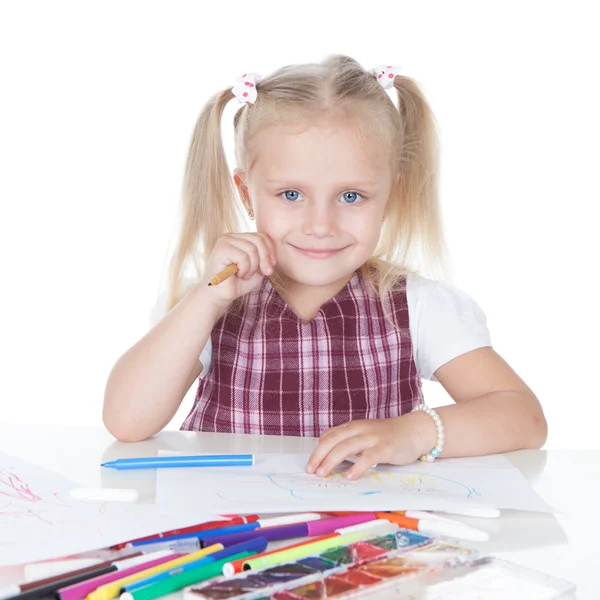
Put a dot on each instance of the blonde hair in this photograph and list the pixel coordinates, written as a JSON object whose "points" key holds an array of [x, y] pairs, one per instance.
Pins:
{"points": [[411, 233]]}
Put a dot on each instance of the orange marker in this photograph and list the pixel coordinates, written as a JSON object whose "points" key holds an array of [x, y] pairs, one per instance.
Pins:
{"points": [[401, 520]]}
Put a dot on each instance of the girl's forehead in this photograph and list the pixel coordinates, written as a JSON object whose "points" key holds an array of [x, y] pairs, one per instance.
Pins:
{"points": [[286, 151]]}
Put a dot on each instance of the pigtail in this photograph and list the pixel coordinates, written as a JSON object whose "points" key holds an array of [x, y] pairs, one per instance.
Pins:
{"points": [[413, 225], [209, 200]]}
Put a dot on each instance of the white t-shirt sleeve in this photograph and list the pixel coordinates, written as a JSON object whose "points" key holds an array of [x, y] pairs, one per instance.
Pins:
{"points": [[159, 310], [445, 322]]}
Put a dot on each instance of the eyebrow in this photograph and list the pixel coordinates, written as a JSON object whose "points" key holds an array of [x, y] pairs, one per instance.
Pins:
{"points": [[357, 184]]}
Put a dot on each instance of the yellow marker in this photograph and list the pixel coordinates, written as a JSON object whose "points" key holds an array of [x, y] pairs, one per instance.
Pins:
{"points": [[112, 589]]}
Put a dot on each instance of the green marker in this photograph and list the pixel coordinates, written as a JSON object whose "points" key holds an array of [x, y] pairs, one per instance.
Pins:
{"points": [[178, 582], [278, 558]]}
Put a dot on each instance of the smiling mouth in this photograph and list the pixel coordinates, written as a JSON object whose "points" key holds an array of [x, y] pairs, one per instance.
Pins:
{"points": [[318, 252]]}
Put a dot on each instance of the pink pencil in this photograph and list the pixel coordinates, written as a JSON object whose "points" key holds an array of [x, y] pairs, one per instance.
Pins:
{"points": [[78, 591]]}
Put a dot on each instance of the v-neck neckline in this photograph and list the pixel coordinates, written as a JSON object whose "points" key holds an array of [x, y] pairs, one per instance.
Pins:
{"points": [[278, 299]]}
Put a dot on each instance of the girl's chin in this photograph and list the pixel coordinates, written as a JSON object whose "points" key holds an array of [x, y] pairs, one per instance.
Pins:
{"points": [[318, 276]]}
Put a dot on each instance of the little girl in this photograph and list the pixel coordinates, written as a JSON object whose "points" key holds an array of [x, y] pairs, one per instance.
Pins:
{"points": [[324, 330]]}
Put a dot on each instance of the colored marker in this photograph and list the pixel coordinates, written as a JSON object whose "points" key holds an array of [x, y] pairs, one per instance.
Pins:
{"points": [[183, 546], [423, 514], [271, 534], [178, 582], [253, 547], [78, 591], [312, 548], [433, 527], [290, 519], [373, 527], [332, 524], [111, 590], [481, 512], [192, 529], [39, 589], [200, 460], [202, 535], [118, 563]]}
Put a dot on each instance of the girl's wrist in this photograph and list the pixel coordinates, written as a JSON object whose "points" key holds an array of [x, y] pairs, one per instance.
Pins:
{"points": [[424, 431], [212, 307]]}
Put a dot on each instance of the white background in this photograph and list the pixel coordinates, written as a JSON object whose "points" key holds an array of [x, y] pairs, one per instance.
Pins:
{"points": [[98, 104]]}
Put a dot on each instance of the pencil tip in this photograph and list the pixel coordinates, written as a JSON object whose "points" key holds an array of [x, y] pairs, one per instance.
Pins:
{"points": [[209, 283]]}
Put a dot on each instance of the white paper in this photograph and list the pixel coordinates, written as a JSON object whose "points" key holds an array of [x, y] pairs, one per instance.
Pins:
{"points": [[39, 520], [277, 483]]}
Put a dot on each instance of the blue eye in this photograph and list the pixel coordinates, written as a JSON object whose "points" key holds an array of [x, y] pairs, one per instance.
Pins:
{"points": [[291, 198], [349, 197]]}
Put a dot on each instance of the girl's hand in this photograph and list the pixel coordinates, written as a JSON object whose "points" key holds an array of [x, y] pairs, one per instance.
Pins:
{"points": [[395, 441], [253, 253]]}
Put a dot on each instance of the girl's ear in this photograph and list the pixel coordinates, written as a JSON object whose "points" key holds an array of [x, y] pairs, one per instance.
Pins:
{"points": [[238, 178]]}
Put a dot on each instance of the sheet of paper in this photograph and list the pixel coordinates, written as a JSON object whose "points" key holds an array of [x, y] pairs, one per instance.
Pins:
{"points": [[39, 520], [277, 483]]}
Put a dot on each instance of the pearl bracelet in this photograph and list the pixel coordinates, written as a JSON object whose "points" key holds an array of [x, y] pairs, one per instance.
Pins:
{"points": [[436, 450]]}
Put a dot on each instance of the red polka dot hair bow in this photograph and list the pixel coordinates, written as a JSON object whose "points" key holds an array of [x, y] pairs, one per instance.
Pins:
{"points": [[245, 88], [385, 75]]}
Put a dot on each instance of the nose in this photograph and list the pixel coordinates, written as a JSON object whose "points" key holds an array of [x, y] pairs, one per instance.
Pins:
{"points": [[319, 220]]}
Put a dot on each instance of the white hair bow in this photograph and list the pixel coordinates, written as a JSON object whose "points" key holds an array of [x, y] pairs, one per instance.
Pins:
{"points": [[385, 75], [245, 88]]}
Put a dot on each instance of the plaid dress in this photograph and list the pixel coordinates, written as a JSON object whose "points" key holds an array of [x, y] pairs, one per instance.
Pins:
{"points": [[273, 373]]}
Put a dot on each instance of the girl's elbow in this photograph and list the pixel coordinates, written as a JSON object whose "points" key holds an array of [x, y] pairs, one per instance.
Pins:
{"points": [[538, 431], [120, 428]]}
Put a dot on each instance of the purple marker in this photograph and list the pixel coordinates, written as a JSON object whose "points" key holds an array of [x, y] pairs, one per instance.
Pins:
{"points": [[271, 534]]}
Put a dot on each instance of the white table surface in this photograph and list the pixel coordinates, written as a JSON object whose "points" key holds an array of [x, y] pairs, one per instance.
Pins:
{"points": [[565, 544]]}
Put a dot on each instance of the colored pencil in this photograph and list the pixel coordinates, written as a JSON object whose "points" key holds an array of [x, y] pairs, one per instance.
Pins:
{"points": [[224, 274], [79, 590], [253, 547], [178, 582], [200, 460], [191, 529]]}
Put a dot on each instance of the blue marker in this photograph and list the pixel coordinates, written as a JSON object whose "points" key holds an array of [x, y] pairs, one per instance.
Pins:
{"points": [[200, 460], [255, 546]]}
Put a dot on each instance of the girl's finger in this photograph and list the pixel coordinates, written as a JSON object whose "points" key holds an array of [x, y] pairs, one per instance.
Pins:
{"points": [[261, 248], [368, 459], [232, 254], [326, 444], [339, 453], [271, 245], [251, 251]]}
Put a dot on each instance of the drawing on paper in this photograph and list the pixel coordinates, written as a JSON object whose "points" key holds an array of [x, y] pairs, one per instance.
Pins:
{"points": [[302, 486]]}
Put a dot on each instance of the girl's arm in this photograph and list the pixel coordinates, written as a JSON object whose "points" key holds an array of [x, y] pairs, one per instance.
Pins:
{"points": [[148, 383], [495, 412]]}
